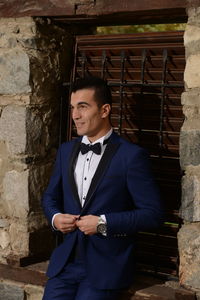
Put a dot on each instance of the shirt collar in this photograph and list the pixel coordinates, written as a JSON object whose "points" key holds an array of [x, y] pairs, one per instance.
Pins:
{"points": [[101, 140]]}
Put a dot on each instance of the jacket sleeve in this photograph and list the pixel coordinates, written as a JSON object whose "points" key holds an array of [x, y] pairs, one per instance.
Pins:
{"points": [[147, 213], [52, 200]]}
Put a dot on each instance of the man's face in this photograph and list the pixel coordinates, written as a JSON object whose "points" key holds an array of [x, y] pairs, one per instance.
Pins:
{"points": [[88, 117]]}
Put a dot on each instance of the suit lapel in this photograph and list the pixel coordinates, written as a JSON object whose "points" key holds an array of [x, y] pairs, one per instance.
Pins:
{"points": [[72, 160], [110, 150]]}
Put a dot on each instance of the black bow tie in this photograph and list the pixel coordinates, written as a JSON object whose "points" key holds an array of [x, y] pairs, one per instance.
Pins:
{"points": [[96, 148]]}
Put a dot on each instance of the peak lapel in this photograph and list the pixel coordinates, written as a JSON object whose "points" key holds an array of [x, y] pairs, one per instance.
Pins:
{"points": [[72, 160]]}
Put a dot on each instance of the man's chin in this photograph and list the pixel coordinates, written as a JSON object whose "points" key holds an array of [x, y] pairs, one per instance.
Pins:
{"points": [[79, 132]]}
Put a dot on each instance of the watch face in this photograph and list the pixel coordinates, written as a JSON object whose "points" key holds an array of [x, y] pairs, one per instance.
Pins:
{"points": [[101, 228]]}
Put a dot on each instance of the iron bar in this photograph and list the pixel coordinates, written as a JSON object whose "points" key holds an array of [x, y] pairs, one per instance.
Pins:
{"points": [[104, 61], [83, 63], [139, 84], [121, 87], [165, 59], [143, 62], [144, 56]]}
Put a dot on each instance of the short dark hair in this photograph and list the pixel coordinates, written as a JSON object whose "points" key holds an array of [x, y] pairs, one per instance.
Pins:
{"points": [[102, 91]]}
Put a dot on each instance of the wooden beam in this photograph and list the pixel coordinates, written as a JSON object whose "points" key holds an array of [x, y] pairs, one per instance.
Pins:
{"points": [[23, 8], [77, 10], [105, 7], [34, 274], [129, 18]]}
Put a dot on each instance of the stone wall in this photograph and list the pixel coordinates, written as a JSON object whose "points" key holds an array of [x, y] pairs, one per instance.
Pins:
{"points": [[35, 57], [189, 235], [11, 290]]}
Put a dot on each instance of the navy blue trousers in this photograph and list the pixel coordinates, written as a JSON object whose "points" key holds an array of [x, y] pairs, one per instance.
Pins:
{"points": [[72, 284]]}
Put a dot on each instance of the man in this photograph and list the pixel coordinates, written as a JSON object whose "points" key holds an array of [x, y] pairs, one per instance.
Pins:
{"points": [[100, 194]]}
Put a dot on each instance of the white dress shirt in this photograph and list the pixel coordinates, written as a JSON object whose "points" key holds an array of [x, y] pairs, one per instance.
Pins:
{"points": [[86, 166]]}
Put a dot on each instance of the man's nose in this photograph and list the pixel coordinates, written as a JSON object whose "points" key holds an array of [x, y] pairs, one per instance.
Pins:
{"points": [[75, 114]]}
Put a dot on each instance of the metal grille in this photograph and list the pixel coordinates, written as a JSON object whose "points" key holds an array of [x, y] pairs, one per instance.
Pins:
{"points": [[145, 73]]}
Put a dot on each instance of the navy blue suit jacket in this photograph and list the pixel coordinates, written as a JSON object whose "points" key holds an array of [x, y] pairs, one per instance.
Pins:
{"points": [[124, 191]]}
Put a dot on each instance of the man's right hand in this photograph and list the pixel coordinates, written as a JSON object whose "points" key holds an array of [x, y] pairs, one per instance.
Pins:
{"points": [[65, 222]]}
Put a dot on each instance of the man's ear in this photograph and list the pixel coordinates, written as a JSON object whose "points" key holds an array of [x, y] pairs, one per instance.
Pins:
{"points": [[106, 108]]}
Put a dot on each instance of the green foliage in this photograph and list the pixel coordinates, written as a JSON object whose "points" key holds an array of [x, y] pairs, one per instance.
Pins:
{"points": [[140, 28]]}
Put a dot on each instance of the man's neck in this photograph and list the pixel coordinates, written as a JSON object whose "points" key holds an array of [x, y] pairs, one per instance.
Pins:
{"points": [[105, 134]]}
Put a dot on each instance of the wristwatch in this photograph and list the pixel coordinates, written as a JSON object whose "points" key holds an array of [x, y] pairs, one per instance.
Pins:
{"points": [[101, 226]]}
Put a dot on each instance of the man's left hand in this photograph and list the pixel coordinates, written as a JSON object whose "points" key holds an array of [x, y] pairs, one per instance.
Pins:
{"points": [[88, 224]]}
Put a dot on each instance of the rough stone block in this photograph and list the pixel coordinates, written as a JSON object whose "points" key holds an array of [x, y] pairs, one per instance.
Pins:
{"points": [[24, 25], [39, 177], [190, 205], [34, 292], [4, 239], [6, 100], [194, 13], [189, 245], [15, 194], [34, 128], [11, 292], [8, 25], [192, 75], [191, 98], [7, 42], [13, 128], [42, 132], [14, 72], [192, 120], [192, 34], [19, 238], [4, 223], [29, 130], [189, 148], [192, 40]]}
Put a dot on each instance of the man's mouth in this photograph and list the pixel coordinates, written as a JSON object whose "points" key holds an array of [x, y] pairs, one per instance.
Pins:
{"points": [[78, 125]]}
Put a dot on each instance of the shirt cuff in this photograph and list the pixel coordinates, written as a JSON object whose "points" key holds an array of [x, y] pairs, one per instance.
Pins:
{"points": [[103, 217], [52, 221]]}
